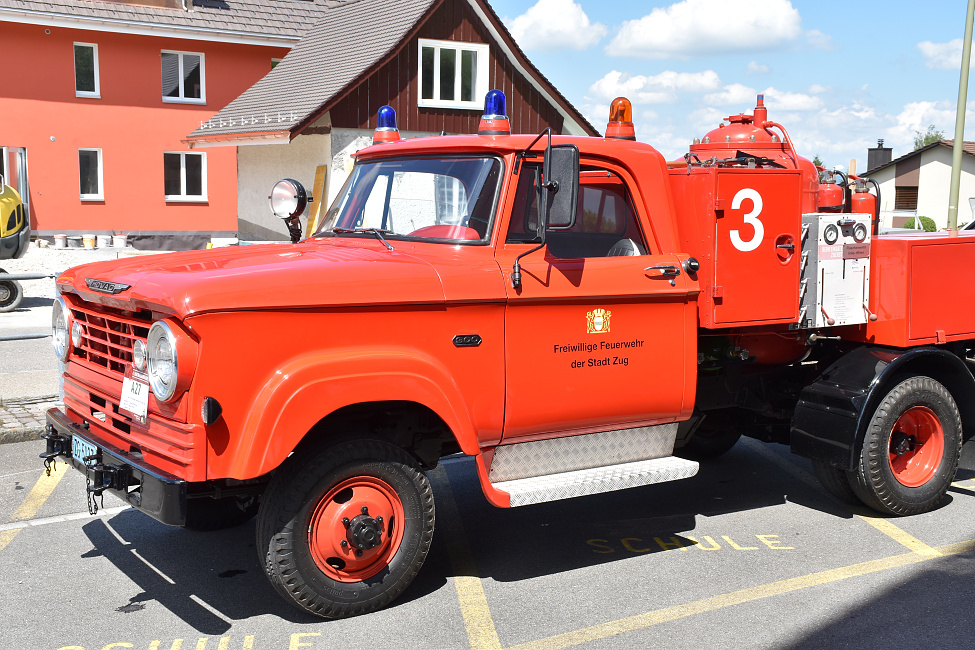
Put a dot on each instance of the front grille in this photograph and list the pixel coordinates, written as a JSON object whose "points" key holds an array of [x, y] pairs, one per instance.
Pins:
{"points": [[108, 337]]}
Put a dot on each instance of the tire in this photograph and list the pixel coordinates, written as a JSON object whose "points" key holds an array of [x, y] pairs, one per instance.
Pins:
{"points": [[345, 530], [836, 482], [11, 294], [910, 450], [707, 444], [217, 514]]}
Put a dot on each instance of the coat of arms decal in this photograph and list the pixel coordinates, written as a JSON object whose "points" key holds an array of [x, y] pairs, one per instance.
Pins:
{"points": [[597, 321]]}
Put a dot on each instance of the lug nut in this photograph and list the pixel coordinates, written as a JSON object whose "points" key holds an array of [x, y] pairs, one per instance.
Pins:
{"points": [[345, 522], [358, 553], [344, 543], [365, 510]]}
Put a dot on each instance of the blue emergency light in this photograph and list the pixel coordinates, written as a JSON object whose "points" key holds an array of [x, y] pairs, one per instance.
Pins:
{"points": [[495, 118], [386, 130]]}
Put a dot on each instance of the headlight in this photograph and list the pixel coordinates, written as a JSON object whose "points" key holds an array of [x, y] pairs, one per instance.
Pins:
{"points": [[139, 356], [59, 324], [163, 364]]}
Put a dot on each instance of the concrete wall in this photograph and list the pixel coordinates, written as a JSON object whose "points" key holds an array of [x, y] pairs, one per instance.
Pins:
{"points": [[259, 167]]}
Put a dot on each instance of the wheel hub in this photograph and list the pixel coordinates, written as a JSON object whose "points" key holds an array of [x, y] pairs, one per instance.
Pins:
{"points": [[916, 447], [4, 292], [356, 528], [365, 532]]}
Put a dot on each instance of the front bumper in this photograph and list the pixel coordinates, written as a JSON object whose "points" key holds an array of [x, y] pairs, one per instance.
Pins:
{"points": [[160, 495]]}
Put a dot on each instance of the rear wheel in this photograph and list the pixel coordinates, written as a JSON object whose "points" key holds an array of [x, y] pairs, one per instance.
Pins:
{"points": [[709, 443], [345, 531], [911, 449], [836, 482]]}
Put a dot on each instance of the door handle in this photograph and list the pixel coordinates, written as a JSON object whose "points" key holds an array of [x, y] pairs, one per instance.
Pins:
{"points": [[663, 271]]}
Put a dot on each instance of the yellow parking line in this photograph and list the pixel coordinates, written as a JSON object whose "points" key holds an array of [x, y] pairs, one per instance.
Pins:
{"points": [[7, 536], [648, 619], [474, 609], [40, 492], [34, 500], [883, 525], [900, 536]]}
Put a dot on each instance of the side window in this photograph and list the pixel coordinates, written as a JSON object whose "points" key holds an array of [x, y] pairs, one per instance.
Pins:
{"points": [[606, 224]]}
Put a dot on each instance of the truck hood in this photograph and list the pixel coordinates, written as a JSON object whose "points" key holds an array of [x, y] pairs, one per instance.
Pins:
{"points": [[270, 276]]}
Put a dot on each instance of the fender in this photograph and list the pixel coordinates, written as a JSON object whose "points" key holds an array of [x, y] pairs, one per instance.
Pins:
{"points": [[306, 389], [833, 412]]}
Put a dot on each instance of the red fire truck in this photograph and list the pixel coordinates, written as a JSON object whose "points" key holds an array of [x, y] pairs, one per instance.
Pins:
{"points": [[576, 314]]}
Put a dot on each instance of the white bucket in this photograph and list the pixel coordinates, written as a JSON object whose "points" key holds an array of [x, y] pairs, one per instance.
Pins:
{"points": [[88, 241], [104, 241], [60, 241], [119, 241]]}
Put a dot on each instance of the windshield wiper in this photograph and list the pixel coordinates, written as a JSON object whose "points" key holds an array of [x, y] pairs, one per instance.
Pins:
{"points": [[378, 232]]}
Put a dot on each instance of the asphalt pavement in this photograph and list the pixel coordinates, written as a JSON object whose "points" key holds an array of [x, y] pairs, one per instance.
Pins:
{"points": [[750, 553]]}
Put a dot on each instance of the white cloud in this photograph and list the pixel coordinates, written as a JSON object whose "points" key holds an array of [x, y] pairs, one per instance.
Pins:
{"points": [[556, 25], [662, 88], [784, 101], [707, 27], [733, 94], [758, 68], [820, 41], [817, 89], [942, 56]]}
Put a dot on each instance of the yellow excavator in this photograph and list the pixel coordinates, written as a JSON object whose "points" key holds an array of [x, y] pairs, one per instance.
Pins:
{"points": [[14, 239]]}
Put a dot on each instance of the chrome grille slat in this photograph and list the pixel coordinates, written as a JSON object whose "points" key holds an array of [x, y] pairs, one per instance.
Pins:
{"points": [[108, 338]]}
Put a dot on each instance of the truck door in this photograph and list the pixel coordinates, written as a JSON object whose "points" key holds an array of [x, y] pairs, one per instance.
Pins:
{"points": [[601, 334]]}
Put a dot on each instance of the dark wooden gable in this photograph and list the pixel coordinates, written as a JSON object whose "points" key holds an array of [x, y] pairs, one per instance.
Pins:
{"points": [[395, 83]]}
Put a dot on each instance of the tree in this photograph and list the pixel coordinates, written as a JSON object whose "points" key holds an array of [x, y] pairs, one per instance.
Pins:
{"points": [[818, 161], [922, 140]]}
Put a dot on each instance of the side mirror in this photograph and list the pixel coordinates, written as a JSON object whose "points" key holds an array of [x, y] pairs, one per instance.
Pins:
{"points": [[560, 187]]}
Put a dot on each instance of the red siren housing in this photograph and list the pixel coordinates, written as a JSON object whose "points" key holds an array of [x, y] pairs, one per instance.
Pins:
{"points": [[495, 118], [386, 130], [620, 126]]}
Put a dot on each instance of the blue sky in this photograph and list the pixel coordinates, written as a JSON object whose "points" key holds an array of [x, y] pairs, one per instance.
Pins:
{"points": [[838, 76]]}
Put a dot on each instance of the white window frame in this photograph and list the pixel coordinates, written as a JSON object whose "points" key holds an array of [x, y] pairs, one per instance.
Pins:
{"points": [[100, 195], [97, 93], [182, 99], [183, 197], [481, 74]]}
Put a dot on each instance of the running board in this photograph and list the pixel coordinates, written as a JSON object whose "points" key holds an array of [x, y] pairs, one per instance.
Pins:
{"points": [[577, 483]]}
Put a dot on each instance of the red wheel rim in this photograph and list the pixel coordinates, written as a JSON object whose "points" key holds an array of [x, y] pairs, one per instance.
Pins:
{"points": [[366, 503], [918, 437]]}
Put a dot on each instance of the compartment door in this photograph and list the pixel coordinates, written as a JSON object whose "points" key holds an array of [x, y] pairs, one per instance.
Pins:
{"points": [[757, 256]]}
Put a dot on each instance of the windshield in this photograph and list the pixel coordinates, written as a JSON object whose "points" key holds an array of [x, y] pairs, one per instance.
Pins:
{"points": [[429, 198]]}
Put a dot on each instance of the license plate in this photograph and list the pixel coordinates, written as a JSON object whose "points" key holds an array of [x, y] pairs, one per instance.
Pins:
{"points": [[135, 396], [81, 448]]}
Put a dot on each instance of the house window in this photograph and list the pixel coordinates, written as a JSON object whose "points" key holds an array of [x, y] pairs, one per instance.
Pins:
{"points": [[90, 174], [183, 78], [86, 70], [905, 198], [185, 176], [452, 74]]}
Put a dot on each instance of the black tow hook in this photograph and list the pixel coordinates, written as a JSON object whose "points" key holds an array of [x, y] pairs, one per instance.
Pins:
{"points": [[106, 476], [58, 444]]}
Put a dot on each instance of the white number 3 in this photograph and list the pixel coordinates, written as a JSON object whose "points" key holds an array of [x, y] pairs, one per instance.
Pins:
{"points": [[751, 219]]}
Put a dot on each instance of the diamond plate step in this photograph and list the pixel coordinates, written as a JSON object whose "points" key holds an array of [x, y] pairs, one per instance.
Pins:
{"points": [[565, 485]]}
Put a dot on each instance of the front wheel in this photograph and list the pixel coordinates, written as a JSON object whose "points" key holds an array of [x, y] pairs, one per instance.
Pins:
{"points": [[345, 531], [911, 449]]}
